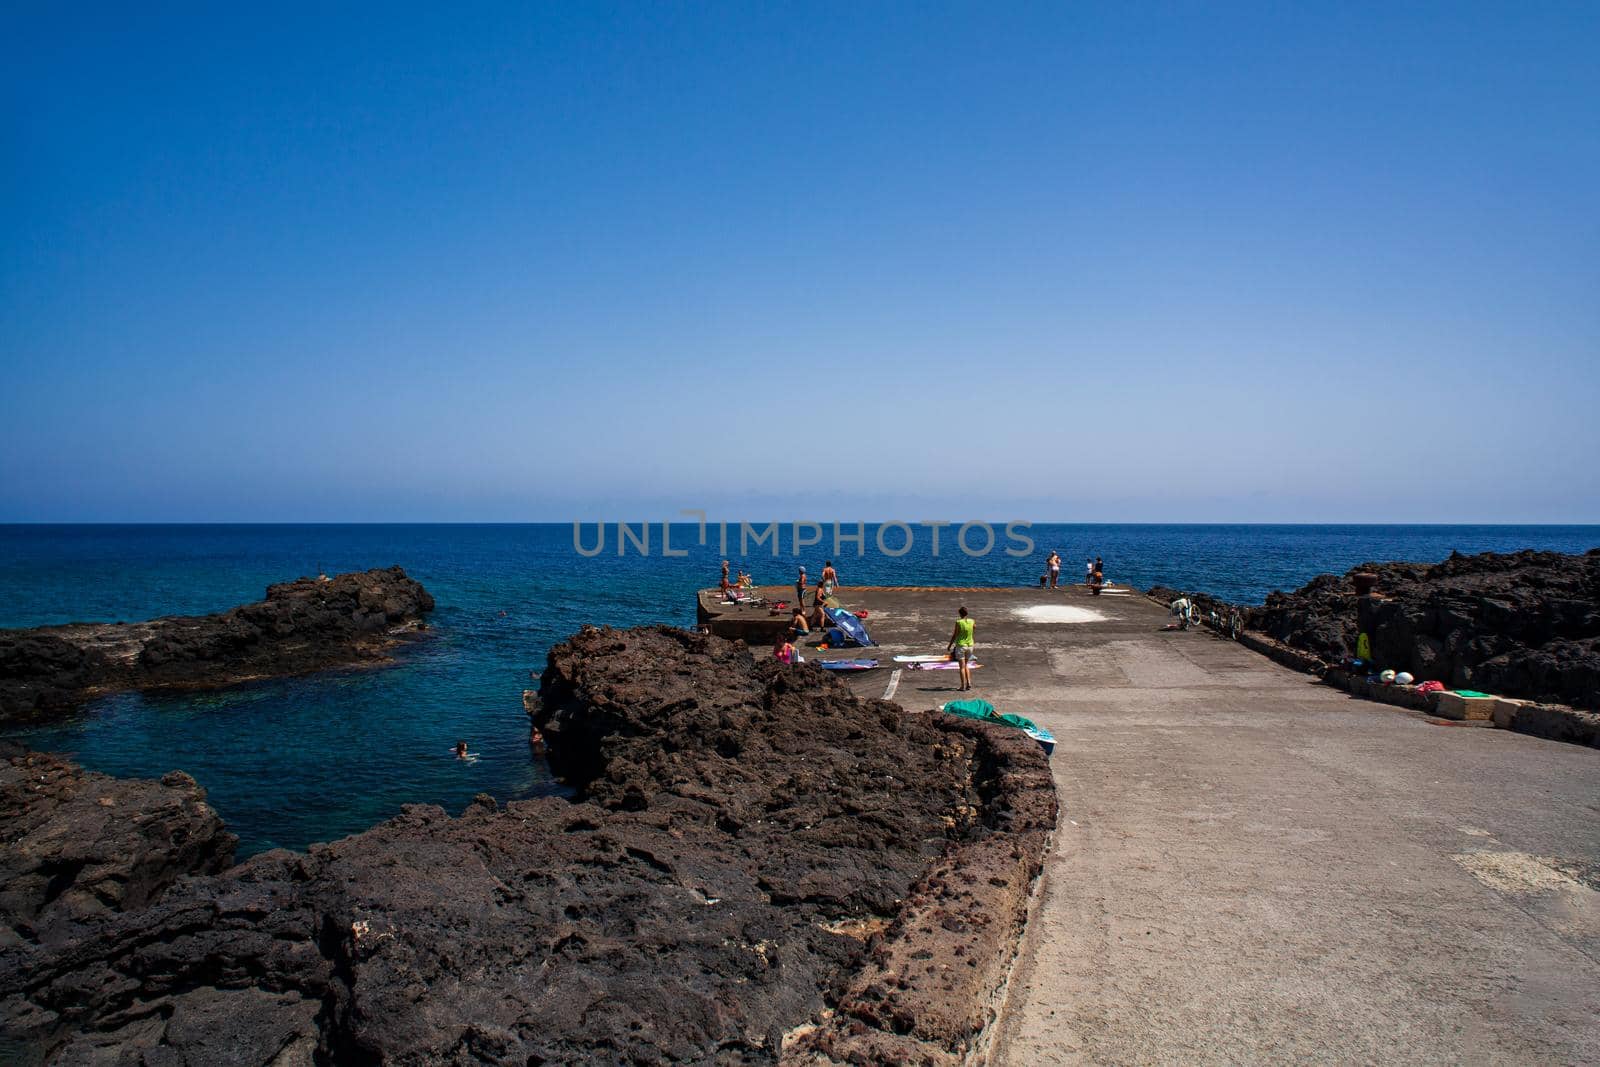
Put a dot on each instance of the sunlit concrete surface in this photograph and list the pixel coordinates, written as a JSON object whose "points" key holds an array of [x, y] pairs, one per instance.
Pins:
{"points": [[1253, 867]]}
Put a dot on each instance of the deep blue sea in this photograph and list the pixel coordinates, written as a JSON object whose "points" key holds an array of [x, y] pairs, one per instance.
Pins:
{"points": [[309, 759]]}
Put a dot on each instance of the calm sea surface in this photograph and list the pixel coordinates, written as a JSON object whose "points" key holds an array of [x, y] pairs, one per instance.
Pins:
{"points": [[310, 759]]}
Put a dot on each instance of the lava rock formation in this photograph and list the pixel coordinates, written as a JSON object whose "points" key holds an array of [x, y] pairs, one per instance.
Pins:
{"points": [[759, 865], [1521, 624], [301, 626]]}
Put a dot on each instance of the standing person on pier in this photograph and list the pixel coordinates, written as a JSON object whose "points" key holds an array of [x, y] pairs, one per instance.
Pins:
{"points": [[961, 645], [1053, 564], [800, 589], [830, 578], [1088, 571], [819, 612]]}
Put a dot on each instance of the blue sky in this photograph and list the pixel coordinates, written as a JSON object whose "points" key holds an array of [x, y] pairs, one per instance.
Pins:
{"points": [[1118, 262]]}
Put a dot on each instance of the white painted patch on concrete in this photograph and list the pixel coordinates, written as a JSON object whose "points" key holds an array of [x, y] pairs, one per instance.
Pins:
{"points": [[1057, 613], [1517, 872]]}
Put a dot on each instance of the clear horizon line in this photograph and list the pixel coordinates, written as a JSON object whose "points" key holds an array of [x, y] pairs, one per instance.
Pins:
{"points": [[753, 523]]}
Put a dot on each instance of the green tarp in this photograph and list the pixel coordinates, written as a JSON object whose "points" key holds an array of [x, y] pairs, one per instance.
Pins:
{"points": [[982, 709]]}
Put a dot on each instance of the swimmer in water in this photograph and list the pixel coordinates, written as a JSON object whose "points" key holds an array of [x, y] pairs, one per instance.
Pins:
{"points": [[461, 750], [536, 740]]}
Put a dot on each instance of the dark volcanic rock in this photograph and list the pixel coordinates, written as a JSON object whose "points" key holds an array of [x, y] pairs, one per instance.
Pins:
{"points": [[1523, 624], [841, 802], [81, 846], [749, 841], [301, 626]]}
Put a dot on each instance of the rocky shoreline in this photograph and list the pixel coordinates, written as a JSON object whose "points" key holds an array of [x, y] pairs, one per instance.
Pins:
{"points": [[301, 626], [758, 866], [1522, 624]]}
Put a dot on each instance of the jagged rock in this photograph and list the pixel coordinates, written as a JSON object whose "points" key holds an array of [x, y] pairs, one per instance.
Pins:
{"points": [[304, 625], [1522, 624], [746, 840], [82, 846]]}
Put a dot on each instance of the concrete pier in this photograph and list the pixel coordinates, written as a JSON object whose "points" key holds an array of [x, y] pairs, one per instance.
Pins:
{"points": [[1253, 867]]}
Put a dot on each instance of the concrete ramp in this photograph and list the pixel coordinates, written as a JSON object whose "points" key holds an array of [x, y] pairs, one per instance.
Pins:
{"points": [[1251, 867]]}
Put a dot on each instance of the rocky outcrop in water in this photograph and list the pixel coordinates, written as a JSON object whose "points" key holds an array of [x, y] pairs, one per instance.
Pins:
{"points": [[1522, 624], [759, 865], [304, 625]]}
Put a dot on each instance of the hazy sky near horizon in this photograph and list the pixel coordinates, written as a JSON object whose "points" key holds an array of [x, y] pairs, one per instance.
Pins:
{"points": [[1119, 262]]}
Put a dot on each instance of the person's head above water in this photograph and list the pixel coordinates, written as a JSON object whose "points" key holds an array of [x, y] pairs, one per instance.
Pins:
{"points": [[461, 748]]}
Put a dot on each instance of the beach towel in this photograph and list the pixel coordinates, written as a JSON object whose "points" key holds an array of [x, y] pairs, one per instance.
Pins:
{"points": [[982, 709]]}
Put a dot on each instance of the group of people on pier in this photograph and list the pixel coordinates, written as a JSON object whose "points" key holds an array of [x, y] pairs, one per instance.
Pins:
{"points": [[801, 621], [1094, 573], [962, 641]]}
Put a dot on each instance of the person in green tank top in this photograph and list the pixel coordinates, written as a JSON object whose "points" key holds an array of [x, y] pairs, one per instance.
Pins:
{"points": [[961, 644]]}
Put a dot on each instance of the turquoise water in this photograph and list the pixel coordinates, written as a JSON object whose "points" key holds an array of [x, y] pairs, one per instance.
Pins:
{"points": [[307, 759]]}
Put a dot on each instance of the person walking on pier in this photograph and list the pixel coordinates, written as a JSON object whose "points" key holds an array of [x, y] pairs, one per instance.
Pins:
{"points": [[961, 645]]}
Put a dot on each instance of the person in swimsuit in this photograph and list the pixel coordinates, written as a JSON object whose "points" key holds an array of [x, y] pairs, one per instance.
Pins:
{"points": [[798, 623], [1054, 565], [800, 588], [782, 650], [961, 645], [830, 577]]}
